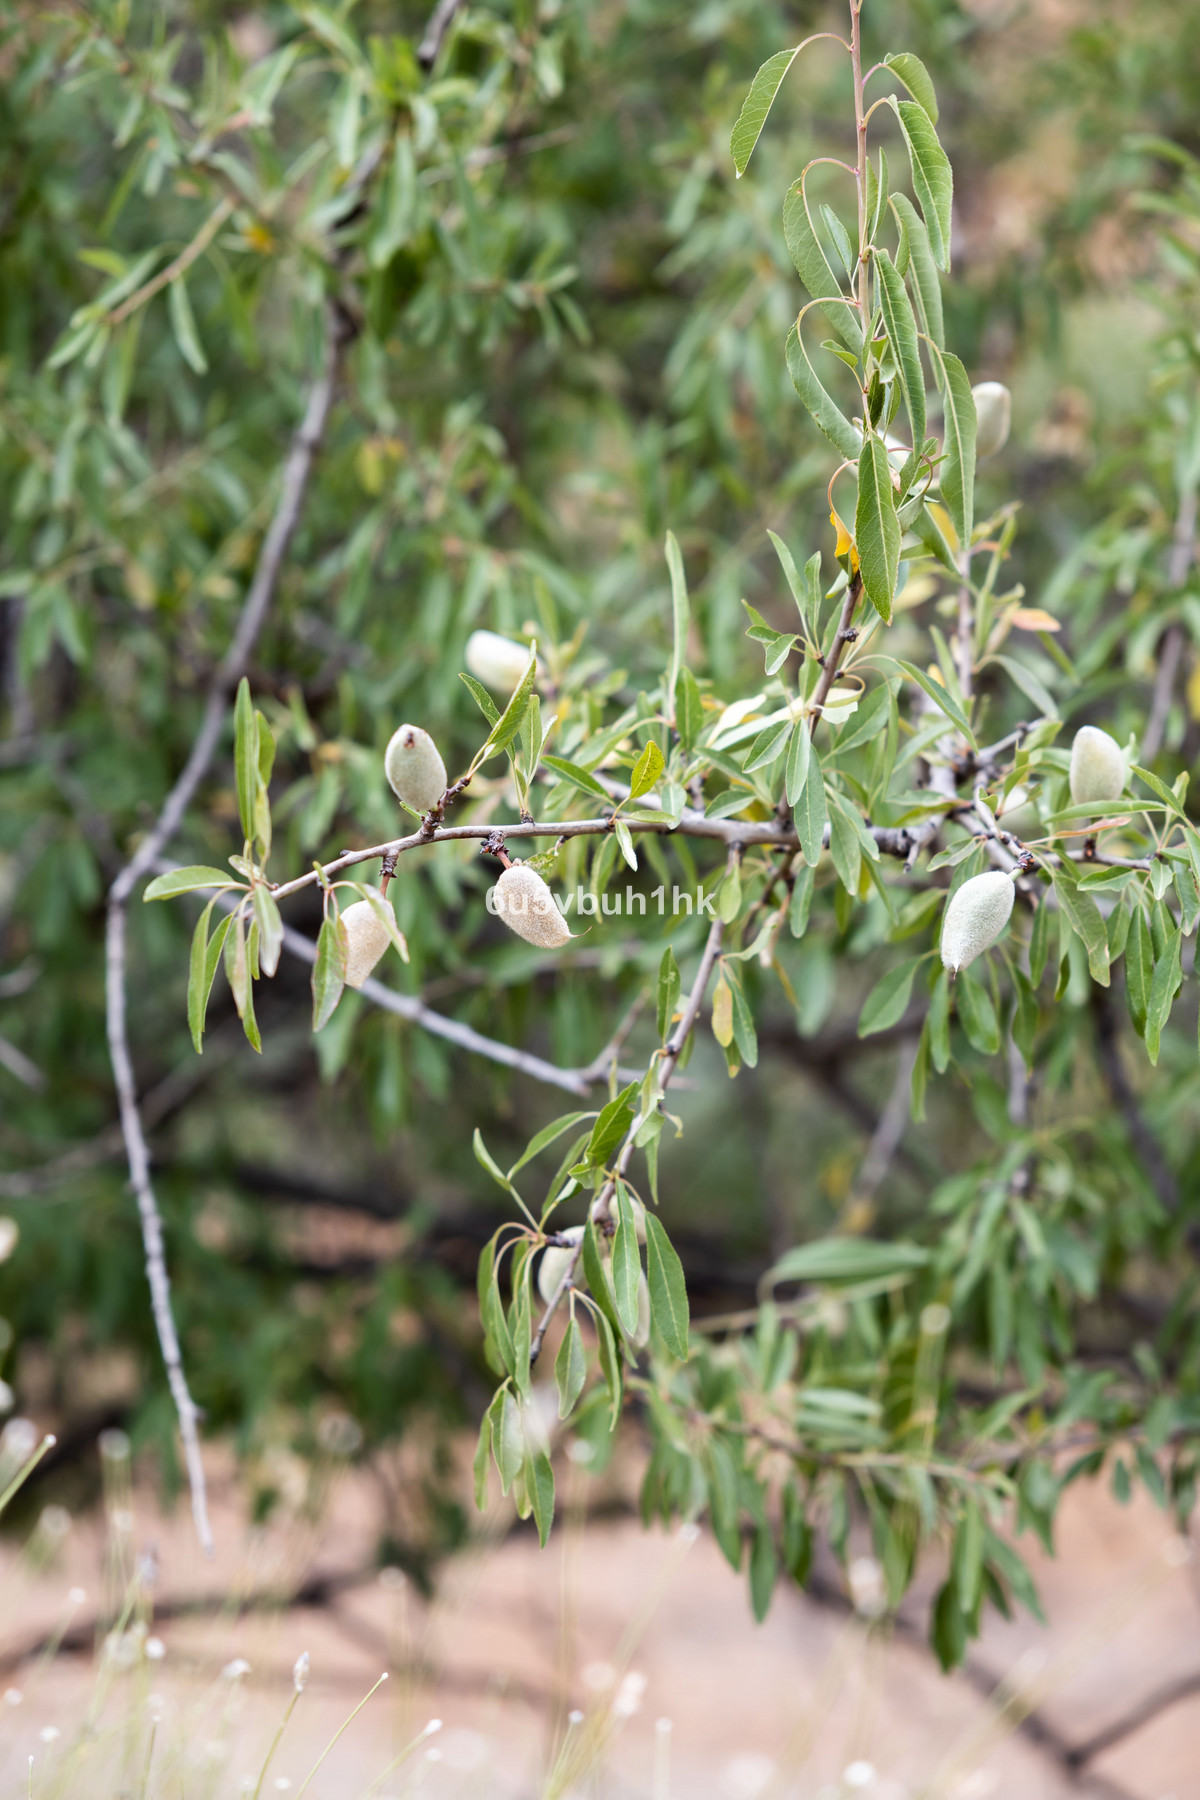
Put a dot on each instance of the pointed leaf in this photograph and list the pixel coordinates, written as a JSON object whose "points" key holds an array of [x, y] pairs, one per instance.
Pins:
{"points": [[757, 105], [844, 437], [876, 528], [933, 182], [668, 1290], [901, 327]]}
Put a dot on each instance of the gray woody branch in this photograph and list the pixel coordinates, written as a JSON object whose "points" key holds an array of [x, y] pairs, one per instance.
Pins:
{"points": [[266, 575]]}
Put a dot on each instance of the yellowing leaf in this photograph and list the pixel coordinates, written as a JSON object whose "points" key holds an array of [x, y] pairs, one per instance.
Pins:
{"points": [[938, 513], [722, 1013], [1032, 618], [845, 543]]}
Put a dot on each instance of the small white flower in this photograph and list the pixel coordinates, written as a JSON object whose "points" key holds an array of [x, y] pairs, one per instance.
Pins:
{"points": [[155, 1649], [300, 1669], [76, 1596], [13, 1696], [114, 1445], [235, 1670], [48, 1733], [858, 1775]]}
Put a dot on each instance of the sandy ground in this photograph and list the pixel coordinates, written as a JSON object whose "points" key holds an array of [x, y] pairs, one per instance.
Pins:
{"points": [[646, 1638]]}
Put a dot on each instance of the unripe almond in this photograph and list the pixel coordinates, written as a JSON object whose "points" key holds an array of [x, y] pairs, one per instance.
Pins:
{"points": [[975, 917], [496, 660], [366, 940], [527, 906], [1097, 767], [556, 1260], [993, 416], [414, 768]]}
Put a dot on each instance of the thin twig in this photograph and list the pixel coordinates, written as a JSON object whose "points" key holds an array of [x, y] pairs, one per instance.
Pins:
{"points": [[676, 1041], [262, 587], [440, 21], [181, 264]]}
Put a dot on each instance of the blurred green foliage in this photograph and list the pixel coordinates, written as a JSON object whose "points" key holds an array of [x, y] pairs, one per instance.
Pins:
{"points": [[566, 324]]}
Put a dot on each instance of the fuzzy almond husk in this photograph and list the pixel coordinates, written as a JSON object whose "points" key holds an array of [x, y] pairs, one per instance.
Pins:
{"points": [[414, 768], [527, 907], [1098, 770], [975, 918], [555, 1261], [993, 416], [496, 660], [366, 940]]}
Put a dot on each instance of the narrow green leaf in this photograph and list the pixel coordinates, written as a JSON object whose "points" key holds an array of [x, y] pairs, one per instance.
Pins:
{"points": [[1139, 969], [183, 324], [329, 971], [508, 1440], [876, 527], [689, 709], [799, 763], [647, 769], [1087, 920], [570, 1369], [976, 1014], [810, 812], [845, 438], [814, 269], [482, 698], [764, 1572], [198, 988], [245, 756], [668, 1290], [757, 105], [599, 1285], [509, 723], [847, 1259], [901, 326], [886, 1002], [938, 694], [626, 1263], [548, 1135], [668, 990], [680, 612], [1163, 989], [184, 881], [539, 1482], [270, 929], [958, 468], [912, 72], [933, 182], [926, 282], [572, 772], [769, 744]]}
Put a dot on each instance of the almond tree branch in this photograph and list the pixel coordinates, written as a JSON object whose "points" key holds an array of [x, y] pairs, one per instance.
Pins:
{"points": [[673, 1050], [266, 575]]}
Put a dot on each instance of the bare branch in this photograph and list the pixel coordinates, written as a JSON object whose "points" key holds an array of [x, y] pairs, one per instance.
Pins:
{"points": [[440, 21], [266, 575]]}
